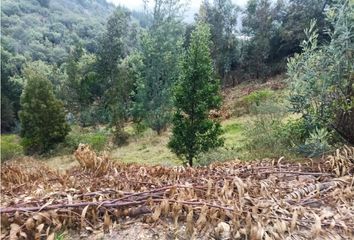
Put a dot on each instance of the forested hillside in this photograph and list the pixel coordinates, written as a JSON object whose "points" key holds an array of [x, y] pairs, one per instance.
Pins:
{"points": [[108, 66], [93, 95], [45, 30]]}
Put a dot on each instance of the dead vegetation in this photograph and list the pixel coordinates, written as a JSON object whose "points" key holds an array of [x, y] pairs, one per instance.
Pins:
{"points": [[265, 199]]}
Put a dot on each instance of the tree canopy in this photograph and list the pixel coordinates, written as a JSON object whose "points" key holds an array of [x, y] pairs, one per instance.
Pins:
{"points": [[196, 94]]}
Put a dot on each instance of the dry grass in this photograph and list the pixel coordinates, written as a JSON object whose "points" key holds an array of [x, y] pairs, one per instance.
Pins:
{"points": [[235, 200], [61, 163]]}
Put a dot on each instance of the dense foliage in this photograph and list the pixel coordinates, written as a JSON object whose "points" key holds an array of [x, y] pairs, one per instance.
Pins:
{"points": [[222, 18], [196, 94], [42, 116], [322, 80], [113, 66], [43, 30], [160, 51]]}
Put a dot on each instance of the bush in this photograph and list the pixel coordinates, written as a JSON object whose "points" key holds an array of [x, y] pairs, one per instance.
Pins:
{"points": [[249, 103], [316, 144], [263, 138], [269, 135], [258, 96], [139, 128], [321, 77], [42, 116], [97, 140], [10, 147], [120, 137], [294, 132]]}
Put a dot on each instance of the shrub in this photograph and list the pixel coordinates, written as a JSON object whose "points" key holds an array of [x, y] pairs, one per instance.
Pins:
{"points": [[139, 128], [294, 132], [10, 147], [249, 103], [120, 137], [258, 96], [97, 140], [316, 144], [42, 116], [263, 138], [269, 135], [321, 77]]}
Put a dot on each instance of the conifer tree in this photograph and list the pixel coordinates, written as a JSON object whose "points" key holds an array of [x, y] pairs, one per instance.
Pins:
{"points": [[196, 94], [161, 48], [42, 116]]}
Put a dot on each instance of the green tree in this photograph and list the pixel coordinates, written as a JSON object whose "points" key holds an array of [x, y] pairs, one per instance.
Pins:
{"points": [[10, 92], [321, 77], [196, 94], [161, 48], [121, 95], [258, 26], [80, 84], [221, 15], [112, 48], [296, 16], [42, 116]]}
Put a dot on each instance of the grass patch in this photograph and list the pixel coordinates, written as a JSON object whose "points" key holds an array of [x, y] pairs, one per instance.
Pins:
{"points": [[97, 138], [234, 130], [10, 147], [217, 155], [147, 148], [233, 146]]}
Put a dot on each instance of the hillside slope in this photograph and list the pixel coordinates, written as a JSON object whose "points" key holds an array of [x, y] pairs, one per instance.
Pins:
{"points": [[45, 30]]}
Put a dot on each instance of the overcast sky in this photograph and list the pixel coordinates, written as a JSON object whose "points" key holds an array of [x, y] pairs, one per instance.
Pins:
{"points": [[193, 5]]}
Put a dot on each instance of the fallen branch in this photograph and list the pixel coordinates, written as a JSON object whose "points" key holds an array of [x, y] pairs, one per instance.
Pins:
{"points": [[300, 173]]}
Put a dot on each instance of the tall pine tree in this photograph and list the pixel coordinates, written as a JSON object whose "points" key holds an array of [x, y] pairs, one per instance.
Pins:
{"points": [[196, 94]]}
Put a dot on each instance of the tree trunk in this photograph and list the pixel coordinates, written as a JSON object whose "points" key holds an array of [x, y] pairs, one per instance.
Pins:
{"points": [[190, 160], [345, 125]]}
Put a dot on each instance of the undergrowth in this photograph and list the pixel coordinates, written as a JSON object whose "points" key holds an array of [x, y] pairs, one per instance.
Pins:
{"points": [[97, 138], [10, 147]]}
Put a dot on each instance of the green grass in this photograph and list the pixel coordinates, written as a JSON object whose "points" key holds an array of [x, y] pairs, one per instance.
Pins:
{"points": [[98, 139], [60, 236], [234, 132], [147, 148], [234, 141], [10, 147]]}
